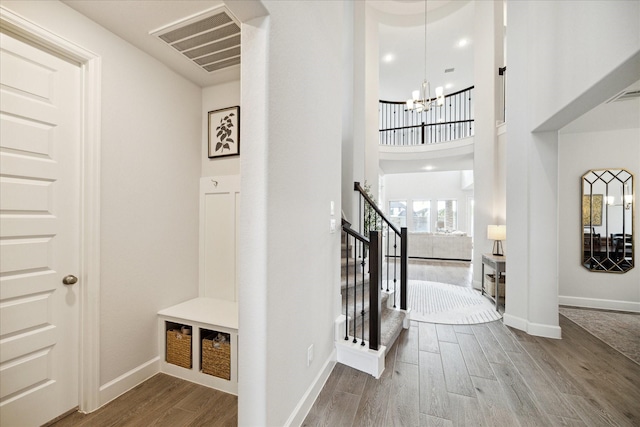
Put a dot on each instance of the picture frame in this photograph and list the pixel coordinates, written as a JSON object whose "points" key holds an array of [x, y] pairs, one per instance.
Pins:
{"points": [[224, 132]]}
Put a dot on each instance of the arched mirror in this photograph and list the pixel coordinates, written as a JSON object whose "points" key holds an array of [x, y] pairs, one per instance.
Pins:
{"points": [[607, 220]]}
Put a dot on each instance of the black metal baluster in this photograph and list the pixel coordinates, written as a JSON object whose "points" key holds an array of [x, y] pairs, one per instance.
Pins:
{"points": [[395, 265], [346, 305], [355, 295], [387, 256], [362, 311], [360, 221]]}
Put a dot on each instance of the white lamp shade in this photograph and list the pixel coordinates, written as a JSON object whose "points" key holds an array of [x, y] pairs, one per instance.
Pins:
{"points": [[416, 95], [439, 91], [496, 232]]}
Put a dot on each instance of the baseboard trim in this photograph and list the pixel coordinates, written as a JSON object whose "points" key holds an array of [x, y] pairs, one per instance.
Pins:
{"points": [[515, 322], [128, 380], [308, 399], [545, 331], [537, 329], [602, 304]]}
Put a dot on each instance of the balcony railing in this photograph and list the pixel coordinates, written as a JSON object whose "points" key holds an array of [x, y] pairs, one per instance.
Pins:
{"points": [[403, 127]]}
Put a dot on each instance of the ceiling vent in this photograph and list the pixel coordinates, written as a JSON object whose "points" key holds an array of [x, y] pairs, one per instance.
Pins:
{"points": [[210, 40], [625, 95]]}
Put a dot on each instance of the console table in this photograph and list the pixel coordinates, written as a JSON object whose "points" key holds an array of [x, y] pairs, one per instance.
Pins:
{"points": [[498, 264]]}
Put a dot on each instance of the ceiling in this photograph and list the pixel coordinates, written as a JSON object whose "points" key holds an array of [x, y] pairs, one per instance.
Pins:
{"points": [[402, 47], [134, 20], [401, 34]]}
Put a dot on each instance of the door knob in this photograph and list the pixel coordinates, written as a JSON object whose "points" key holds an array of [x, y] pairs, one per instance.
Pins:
{"points": [[69, 279]]}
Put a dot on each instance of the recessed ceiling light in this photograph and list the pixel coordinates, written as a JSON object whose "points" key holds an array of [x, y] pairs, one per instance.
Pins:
{"points": [[428, 168], [463, 42], [389, 57], [448, 86]]}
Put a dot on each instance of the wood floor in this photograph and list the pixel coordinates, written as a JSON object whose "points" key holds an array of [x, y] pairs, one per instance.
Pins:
{"points": [[486, 375], [436, 375], [162, 400]]}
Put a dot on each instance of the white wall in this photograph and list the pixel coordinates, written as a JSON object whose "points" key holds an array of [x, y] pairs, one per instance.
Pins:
{"points": [[149, 196], [432, 186], [559, 68], [488, 37], [578, 153], [291, 171], [214, 98]]}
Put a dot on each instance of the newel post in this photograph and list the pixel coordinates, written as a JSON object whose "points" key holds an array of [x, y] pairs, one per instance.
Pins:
{"points": [[375, 282], [404, 256]]}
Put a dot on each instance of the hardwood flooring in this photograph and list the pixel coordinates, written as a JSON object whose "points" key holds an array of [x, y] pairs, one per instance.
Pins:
{"points": [[436, 375], [487, 374], [162, 400]]}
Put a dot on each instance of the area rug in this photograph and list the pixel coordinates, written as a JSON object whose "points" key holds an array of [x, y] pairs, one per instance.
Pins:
{"points": [[443, 303], [617, 329]]}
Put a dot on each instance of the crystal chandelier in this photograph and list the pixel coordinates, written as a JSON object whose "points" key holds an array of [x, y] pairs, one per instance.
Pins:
{"points": [[421, 98]]}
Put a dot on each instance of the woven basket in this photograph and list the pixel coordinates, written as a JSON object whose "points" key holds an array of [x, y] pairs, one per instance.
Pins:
{"points": [[178, 348], [490, 285], [216, 357]]}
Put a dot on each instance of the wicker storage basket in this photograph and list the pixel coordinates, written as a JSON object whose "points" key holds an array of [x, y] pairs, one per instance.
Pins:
{"points": [[490, 285], [216, 356], [178, 348]]}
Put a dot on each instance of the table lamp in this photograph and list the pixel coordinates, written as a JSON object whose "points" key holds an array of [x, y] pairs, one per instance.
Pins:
{"points": [[497, 233]]}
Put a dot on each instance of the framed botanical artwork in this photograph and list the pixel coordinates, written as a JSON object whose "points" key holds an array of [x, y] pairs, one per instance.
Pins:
{"points": [[590, 218], [224, 132]]}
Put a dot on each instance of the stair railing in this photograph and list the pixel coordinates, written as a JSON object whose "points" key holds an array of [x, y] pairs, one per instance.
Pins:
{"points": [[371, 218], [453, 120], [356, 327]]}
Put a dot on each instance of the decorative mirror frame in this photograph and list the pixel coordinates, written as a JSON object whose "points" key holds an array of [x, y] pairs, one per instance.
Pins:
{"points": [[618, 255]]}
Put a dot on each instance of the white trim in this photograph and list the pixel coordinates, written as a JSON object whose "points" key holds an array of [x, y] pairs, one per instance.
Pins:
{"points": [[125, 382], [361, 357], [603, 304], [546, 331], [309, 397], [537, 329], [90, 67], [514, 322]]}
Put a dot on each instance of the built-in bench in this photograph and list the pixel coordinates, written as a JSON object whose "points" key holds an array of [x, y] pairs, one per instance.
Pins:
{"points": [[203, 317]]}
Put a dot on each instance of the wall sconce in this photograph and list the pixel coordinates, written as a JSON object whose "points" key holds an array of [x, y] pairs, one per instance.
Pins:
{"points": [[497, 233]]}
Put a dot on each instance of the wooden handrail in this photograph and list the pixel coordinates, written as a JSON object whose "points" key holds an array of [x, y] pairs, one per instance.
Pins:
{"points": [[374, 206], [346, 227], [428, 124]]}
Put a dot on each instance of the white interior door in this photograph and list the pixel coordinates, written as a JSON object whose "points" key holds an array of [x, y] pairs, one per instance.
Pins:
{"points": [[39, 234]]}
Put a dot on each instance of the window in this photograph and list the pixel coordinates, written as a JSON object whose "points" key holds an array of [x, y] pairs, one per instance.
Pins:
{"points": [[398, 213], [447, 215], [421, 215]]}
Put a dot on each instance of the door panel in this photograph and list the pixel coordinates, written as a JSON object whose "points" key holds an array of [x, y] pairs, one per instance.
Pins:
{"points": [[39, 233]]}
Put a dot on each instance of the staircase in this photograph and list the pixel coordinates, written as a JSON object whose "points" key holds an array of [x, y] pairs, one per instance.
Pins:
{"points": [[370, 321], [391, 319]]}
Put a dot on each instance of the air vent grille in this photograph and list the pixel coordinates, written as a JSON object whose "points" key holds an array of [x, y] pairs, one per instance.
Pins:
{"points": [[210, 40]]}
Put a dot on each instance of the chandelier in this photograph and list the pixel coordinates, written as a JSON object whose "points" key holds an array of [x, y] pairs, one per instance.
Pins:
{"points": [[421, 98]]}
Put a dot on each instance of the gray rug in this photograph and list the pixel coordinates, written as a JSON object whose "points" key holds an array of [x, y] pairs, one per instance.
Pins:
{"points": [[450, 304], [618, 329]]}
